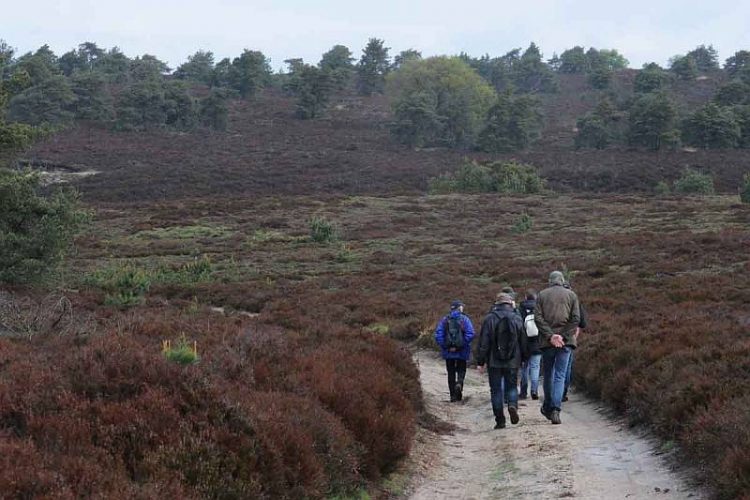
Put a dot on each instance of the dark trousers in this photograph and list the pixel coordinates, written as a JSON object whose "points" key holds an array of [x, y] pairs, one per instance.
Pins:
{"points": [[502, 380], [456, 374]]}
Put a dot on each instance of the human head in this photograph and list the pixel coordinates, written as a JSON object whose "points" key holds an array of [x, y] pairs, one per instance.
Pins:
{"points": [[530, 294], [457, 305], [556, 278], [503, 298], [509, 290]]}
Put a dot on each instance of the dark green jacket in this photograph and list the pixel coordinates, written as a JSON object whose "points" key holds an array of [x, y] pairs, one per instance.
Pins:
{"points": [[557, 311]]}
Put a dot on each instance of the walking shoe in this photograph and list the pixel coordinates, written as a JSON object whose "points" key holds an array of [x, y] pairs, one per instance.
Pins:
{"points": [[547, 414], [556, 417], [459, 392], [534, 396], [500, 424], [522, 396], [513, 415], [565, 398]]}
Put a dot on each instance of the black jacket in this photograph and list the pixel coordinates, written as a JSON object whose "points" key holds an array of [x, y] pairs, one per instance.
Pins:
{"points": [[491, 326], [526, 308]]}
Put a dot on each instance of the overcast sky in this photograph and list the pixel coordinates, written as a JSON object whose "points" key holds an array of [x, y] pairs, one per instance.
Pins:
{"points": [[642, 30]]}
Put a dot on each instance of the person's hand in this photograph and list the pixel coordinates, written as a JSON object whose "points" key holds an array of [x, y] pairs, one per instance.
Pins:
{"points": [[575, 335], [452, 349], [480, 368], [557, 341]]}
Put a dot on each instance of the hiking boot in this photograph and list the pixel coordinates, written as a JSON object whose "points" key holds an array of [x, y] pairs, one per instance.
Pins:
{"points": [[534, 396], [547, 414], [522, 396], [500, 424], [564, 398], [513, 415], [555, 417], [459, 392]]}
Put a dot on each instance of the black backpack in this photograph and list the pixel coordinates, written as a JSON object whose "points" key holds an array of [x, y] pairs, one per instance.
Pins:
{"points": [[506, 339], [454, 332]]}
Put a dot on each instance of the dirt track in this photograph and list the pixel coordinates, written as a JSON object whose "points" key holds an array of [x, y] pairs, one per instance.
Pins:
{"points": [[588, 456]]}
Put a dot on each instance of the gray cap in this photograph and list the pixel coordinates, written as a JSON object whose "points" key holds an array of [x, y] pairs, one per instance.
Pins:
{"points": [[556, 278]]}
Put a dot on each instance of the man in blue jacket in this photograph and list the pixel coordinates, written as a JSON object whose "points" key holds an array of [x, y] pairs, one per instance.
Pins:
{"points": [[454, 334]]}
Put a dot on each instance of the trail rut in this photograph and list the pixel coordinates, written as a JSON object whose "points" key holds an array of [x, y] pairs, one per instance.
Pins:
{"points": [[589, 456]]}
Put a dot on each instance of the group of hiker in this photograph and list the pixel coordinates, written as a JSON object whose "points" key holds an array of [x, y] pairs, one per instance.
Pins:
{"points": [[539, 333]]}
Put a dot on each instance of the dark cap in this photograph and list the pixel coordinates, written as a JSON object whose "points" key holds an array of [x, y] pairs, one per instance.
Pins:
{"points": [[456, 304]]}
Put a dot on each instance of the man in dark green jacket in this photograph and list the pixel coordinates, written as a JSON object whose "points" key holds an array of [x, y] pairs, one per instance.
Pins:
{"points": [[557, 315], [502, 347]]}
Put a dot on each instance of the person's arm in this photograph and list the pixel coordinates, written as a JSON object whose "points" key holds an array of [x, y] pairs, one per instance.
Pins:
{"points": [[574, 319], [485, 333], [440, 333], [545, 330], [468, 331]]}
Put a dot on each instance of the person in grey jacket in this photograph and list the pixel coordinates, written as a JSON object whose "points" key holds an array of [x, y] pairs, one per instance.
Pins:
{"points": [[502, 347], [557, 316]]}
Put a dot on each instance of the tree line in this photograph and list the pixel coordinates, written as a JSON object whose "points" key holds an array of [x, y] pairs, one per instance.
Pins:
{"points": [[486, 103]]}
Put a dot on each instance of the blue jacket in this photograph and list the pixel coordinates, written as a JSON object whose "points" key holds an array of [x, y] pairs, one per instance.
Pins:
{"points": [[442, 330]]}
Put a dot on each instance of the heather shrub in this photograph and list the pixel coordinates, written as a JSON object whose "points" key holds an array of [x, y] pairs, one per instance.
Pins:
{"points": [[367, 400], [694, 182]]}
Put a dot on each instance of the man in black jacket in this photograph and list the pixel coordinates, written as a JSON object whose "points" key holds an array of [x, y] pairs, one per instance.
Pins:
{"points": [[530, 368], [502, 347]]}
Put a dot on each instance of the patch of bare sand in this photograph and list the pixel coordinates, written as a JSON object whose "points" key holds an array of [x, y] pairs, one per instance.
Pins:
{"points": [[589, 456]]}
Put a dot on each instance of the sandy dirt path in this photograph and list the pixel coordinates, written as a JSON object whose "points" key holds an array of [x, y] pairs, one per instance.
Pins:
{"points": [[589, 456]]}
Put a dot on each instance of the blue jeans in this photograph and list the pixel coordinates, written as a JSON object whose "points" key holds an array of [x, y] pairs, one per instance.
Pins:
{"points": [[501, 379], [569, 373], [530, 372], [555, 366]]}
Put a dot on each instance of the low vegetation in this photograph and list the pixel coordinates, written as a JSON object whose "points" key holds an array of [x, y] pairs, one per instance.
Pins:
{"points": [[497, 177]]}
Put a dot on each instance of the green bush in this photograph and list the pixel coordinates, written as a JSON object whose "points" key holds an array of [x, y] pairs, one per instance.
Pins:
{"points": [[183, 352], [125, 286], [35, 231], [745, 189], [471, 177], [322, 230], [523, 224], [694, 182], [662, 188], [19, 136], [497, 177]]}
